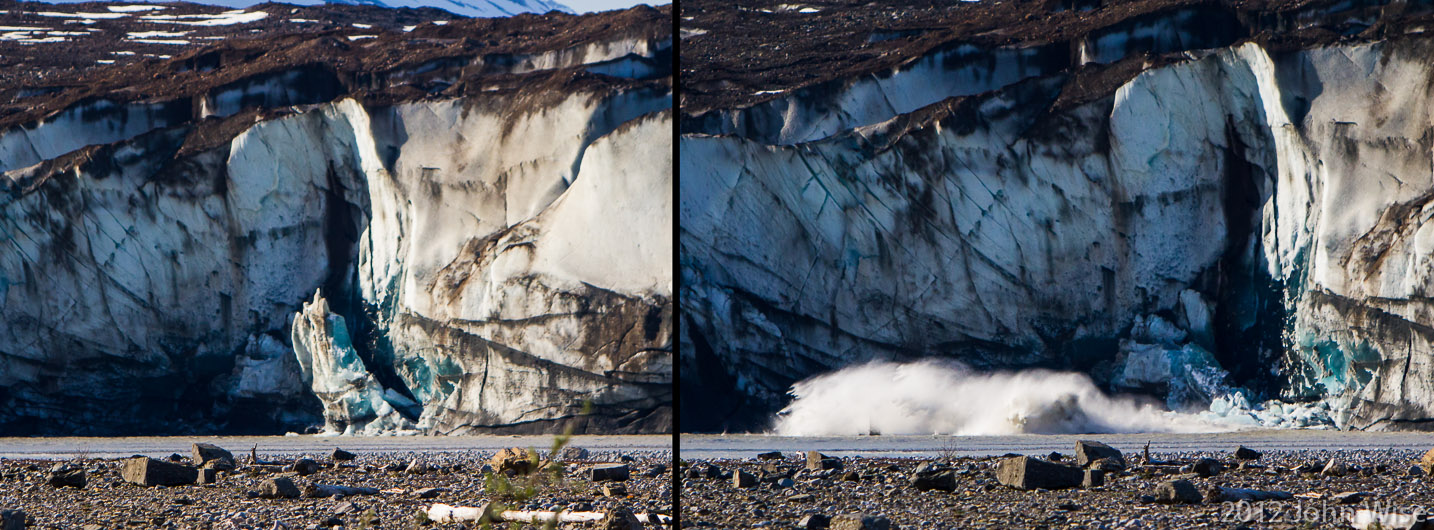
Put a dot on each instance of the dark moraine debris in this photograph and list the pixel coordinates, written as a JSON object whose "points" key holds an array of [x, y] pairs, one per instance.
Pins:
{"points": [[1026, 473], [148, 472]]}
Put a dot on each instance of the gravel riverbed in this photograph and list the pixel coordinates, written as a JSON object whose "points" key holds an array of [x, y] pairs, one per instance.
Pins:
{"points": [[788, 492], [108, 501]]}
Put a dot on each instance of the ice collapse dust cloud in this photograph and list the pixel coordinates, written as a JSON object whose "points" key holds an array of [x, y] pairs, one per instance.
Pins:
{"points": [[932, 397]]}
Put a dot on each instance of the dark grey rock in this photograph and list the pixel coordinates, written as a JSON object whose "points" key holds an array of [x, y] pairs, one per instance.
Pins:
{"points": [[147, 472], [1245, 453], [1208, 467], [201, 454], [1177, 492], [773, 455], [1088, 451], [610, 473], [743, 479], [305, 467], [620, 518], [814, 521], [279, 488], [1093, 478], [340, 455], [208, 475], [820, 462], [1026, 473], [929, 476], [66, 476]]}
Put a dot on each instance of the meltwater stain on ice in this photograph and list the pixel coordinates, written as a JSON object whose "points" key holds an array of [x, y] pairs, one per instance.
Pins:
{"points": [[934, 397]]}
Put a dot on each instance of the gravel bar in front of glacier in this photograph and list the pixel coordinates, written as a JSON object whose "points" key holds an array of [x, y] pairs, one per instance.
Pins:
{"points": [[1325, 479], [453, 474]]}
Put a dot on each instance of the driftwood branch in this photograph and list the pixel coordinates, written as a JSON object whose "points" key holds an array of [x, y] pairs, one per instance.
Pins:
{"points": [[443, 513]]}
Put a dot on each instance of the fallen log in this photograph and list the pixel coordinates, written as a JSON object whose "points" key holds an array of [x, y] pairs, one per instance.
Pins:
{"points": [[443, 513]]}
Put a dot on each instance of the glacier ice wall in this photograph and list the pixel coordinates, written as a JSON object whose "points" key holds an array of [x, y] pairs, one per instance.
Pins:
{"points": [[494, 262], [1270, 206]]}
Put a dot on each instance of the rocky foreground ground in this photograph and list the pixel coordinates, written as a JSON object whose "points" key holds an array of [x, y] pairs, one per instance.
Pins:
{"points": [[1089, 486], [209, 488]]}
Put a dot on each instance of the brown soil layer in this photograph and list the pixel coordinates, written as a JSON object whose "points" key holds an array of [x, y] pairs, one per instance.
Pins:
{"points": [[40, 78], [735, 50]]}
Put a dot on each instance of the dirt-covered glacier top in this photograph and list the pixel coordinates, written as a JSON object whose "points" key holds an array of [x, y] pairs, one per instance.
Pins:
{"points": [[57, 56], [737, 53]]}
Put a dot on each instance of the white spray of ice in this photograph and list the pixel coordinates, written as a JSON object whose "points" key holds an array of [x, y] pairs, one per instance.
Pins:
{"points": [[935, 397]]}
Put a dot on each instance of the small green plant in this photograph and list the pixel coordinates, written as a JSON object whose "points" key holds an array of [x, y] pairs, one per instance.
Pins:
{"points": [[368, 519], [546, 474]]}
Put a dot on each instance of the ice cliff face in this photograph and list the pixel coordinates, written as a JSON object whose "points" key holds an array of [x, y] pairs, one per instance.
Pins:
{"points": [[373, 254], [1251, 215]]}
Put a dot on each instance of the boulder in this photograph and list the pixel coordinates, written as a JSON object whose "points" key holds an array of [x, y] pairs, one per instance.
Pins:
{"points": [[1208, 467], [610, 473], [1335, 468], [1177, 492], [66, 476], [773, 455], [573, 453], [148, 472], [820, 462], [1026, 473], [1109, 465], [340, 455], [279, 488], [305, 467], [416, 467], [512, 461], [1245, 453], [1426, 462], [620, 518], [814, 521], [208, 475], [743, 479], [1093, 478], [1087, 451], [860, 521], [929, 476], [202, 454]]}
